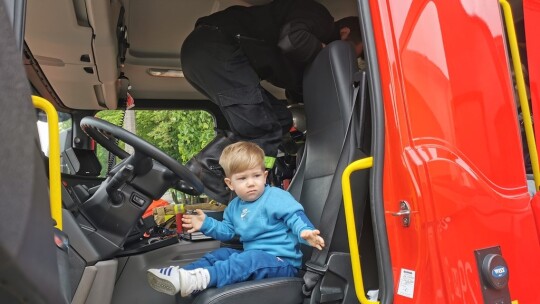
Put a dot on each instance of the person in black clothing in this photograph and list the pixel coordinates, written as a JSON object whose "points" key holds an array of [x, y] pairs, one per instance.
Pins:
{"points": [[231, 51]]}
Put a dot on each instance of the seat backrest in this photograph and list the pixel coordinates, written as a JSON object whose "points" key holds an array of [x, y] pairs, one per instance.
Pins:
{"points": [[328, 105], [28, 265]]}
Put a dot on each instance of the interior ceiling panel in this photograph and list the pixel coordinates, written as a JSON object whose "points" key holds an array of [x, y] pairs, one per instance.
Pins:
{"points": [[49, 35], [157, 44]]}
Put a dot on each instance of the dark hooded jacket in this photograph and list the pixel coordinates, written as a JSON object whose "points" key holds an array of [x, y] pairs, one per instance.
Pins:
{"points": [[279, 38]]}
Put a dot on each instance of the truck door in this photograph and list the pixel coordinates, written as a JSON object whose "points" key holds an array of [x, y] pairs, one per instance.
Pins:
{"points": [[454, 183]]}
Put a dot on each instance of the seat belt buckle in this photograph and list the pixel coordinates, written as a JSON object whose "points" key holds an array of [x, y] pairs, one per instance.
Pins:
{"points": [[311, 277]]}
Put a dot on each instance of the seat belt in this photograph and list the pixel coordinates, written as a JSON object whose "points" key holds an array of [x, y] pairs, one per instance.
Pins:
{"points": [[316, 266]]}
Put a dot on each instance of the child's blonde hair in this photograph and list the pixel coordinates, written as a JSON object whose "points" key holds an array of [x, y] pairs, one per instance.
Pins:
{"points": [[241, 156]]}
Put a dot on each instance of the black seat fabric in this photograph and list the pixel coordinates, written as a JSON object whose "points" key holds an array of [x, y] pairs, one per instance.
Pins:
{"points": [[328, 95], [28, 265]]}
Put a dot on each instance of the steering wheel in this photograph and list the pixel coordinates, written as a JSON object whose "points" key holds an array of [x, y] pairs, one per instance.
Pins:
{"points": [[105, 134]]}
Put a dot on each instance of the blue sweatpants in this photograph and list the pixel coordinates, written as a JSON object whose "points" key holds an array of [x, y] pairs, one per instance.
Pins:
{"points": [[228, 266]]}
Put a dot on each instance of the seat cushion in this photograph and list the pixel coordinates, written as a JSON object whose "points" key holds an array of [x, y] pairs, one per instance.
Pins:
{"points": [[266, 291]]}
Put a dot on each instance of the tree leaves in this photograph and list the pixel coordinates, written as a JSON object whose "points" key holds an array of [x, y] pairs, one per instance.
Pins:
{"points": [[179, 133]]}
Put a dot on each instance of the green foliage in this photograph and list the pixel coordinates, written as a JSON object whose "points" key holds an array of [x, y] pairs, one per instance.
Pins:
{"points": [[195, 131], [180, 134], [65, 125], [112, 116]]}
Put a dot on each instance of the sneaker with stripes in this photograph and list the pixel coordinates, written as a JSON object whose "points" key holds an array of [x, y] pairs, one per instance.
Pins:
{"points": [[172, 279]]}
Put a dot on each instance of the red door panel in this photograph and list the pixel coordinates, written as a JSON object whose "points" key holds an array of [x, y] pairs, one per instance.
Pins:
{"points": [[452, 150]]}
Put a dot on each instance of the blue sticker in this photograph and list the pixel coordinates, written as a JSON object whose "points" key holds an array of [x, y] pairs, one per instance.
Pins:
{"points": [[499, 272]]}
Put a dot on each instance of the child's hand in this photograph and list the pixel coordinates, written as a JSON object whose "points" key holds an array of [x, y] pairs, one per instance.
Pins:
{"points": [[313, 238], [193, 222]]}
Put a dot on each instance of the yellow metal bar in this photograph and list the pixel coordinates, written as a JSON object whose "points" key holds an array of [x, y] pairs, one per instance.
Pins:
{"points": [[360, 164], [522, 92], [54, 158]]}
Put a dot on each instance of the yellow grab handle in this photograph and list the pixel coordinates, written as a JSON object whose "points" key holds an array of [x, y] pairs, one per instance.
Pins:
{"points": [[361, 164], [54, 158]]}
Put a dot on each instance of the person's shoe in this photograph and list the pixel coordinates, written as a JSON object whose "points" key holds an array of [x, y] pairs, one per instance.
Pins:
{"points": [[166, 280], [205, 165], [172, 279], [193, 281]]}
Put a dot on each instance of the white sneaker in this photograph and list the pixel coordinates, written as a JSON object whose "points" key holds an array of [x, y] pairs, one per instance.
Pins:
{"points": [[192, 281], [172, 279], [166, 280]]}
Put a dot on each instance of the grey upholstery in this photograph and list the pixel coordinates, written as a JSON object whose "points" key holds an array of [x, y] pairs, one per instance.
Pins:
{"points": [[328, 95], [28, 264]]}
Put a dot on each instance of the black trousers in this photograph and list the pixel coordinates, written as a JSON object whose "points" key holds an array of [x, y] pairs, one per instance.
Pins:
{"points": [[217, 67]]}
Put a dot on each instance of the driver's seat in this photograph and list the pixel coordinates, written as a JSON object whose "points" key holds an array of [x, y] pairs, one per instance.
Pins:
{"points": [[328, 95]]}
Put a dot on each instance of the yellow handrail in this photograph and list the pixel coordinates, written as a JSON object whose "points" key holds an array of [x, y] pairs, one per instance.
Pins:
{"points": [[54, 158], [522, 92], [360, 164]]}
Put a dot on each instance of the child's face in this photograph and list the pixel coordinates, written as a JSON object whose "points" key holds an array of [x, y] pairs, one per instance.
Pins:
{"points": [[249, 184]]}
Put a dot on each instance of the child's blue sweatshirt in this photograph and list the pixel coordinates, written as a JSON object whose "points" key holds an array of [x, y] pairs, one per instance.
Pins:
{"points": [[272, 223]]}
